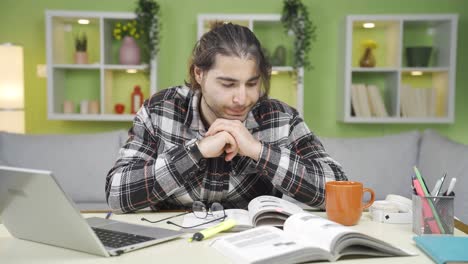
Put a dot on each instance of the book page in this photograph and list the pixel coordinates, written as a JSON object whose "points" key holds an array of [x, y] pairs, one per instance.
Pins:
{"points": [[241, 216], [315, 231], [271, 210], [303, 206], [265, 244]]}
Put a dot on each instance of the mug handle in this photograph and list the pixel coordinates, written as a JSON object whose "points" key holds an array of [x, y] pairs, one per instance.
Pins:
{"points": [[372, 199]]}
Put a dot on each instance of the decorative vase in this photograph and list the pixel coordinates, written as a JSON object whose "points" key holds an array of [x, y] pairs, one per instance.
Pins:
{"points": [[81, 57], [119, 108], [367, 59], [68, 107], [129, 52], [93, 107]]}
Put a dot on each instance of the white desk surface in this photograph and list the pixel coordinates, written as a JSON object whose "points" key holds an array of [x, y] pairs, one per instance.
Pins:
{"points": [[14, 250]]}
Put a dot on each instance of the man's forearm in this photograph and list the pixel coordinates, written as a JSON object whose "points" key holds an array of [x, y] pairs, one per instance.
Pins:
{"points": [[137, 184], [300, 176]]}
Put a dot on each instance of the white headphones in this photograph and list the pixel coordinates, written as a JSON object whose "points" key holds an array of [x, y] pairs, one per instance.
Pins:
{"points": [[394, 209]]}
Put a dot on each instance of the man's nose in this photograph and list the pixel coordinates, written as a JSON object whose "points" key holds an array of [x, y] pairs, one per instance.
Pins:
{"points": [[240, 96]]}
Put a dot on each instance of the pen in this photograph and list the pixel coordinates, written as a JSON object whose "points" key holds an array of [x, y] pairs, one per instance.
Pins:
{"points": [[211, 231], [108, 215], [436, 187], [441, 183], [451, 186]]}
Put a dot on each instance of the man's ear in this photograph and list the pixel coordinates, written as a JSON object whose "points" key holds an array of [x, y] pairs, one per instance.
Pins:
{"points": [[198, 74]]}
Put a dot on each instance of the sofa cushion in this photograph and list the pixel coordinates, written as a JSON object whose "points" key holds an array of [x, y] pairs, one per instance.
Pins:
{"points": [[439, 155], [123, 134], [79, 162], [381, 163]]}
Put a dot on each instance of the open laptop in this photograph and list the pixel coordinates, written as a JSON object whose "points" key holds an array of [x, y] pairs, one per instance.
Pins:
{"points": [[34, 207]]}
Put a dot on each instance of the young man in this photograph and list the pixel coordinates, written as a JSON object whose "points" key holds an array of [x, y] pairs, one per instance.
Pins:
{"points": [[219, 138]]}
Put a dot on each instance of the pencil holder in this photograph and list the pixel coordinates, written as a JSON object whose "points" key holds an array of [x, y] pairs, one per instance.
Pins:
{"points": [[433, 215]]}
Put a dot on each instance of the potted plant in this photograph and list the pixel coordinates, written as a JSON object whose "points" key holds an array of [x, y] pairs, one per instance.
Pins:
{"points": [[147, 12], [418, 56], [81, 44], [128, 32], [295, 19]]}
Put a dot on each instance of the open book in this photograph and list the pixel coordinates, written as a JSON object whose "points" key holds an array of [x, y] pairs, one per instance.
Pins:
{"points": [[305, 237], [262, 210]]}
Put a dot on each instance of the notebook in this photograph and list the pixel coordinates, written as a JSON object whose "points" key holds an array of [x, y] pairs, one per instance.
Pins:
{"points": [[444, 249], [34, 207]]}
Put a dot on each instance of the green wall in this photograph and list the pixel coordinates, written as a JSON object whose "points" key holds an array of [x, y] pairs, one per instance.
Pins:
{"points": [[22, 21]]}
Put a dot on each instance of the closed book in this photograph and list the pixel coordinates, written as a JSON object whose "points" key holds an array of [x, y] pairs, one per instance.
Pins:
{"points": [[444, 249], [355, 100], [363, 100], [376, 101]]}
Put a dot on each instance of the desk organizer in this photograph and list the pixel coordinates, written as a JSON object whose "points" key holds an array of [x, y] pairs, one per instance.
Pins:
{"points": [[433, 215]]}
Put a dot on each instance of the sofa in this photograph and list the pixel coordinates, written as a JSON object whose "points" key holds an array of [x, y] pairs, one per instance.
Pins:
{"points": [[80, 162]]}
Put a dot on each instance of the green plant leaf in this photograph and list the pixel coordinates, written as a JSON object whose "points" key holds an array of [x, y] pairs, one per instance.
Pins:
{"points": [[147, 12], [295, 20]]}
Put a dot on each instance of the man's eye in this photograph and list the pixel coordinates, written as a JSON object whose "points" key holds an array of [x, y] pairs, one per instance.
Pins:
{"points": [[252, 84], [228, 85]]}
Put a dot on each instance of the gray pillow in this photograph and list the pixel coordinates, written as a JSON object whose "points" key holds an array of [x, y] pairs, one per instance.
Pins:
{"points": [[381, 163], [439, 155], [79, 162], [123, 135]]}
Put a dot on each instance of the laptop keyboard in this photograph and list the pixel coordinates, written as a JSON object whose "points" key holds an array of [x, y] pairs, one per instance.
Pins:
{"points": [[116, 239]]}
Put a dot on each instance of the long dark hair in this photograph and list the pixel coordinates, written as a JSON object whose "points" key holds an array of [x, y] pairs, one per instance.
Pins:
{"points": [[229, 40]]}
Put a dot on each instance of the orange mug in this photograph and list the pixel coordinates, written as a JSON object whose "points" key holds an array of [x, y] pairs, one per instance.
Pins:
{"points": [[343, 201]]}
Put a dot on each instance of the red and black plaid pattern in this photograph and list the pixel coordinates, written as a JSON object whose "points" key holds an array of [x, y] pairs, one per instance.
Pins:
{"points": [[155, 170]]}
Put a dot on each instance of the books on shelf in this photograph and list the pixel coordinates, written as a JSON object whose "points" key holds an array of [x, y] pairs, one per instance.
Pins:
{"points": [[418, 102], [376, 101], [363, 100], [444, 249], [355, 100], [262, 210], [306, 237], [367, 101]]}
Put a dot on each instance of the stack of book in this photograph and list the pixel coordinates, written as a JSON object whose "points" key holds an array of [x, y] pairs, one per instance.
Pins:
{"points": [[367, 101], [418, 102]]}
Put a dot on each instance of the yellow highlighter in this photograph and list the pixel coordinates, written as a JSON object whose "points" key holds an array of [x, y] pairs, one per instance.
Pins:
{"points": [[209, 232]]}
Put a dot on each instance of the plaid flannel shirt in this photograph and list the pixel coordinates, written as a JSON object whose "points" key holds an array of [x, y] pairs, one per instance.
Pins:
{"points": [[155, 169]]}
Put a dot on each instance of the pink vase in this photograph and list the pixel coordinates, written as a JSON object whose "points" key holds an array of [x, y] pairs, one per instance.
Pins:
{"points": [[81, 57], [129, 52]]}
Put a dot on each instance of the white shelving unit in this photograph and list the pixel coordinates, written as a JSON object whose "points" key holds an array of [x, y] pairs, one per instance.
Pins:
{"points": [[267, 25], [103, 79], [423, 94]]}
